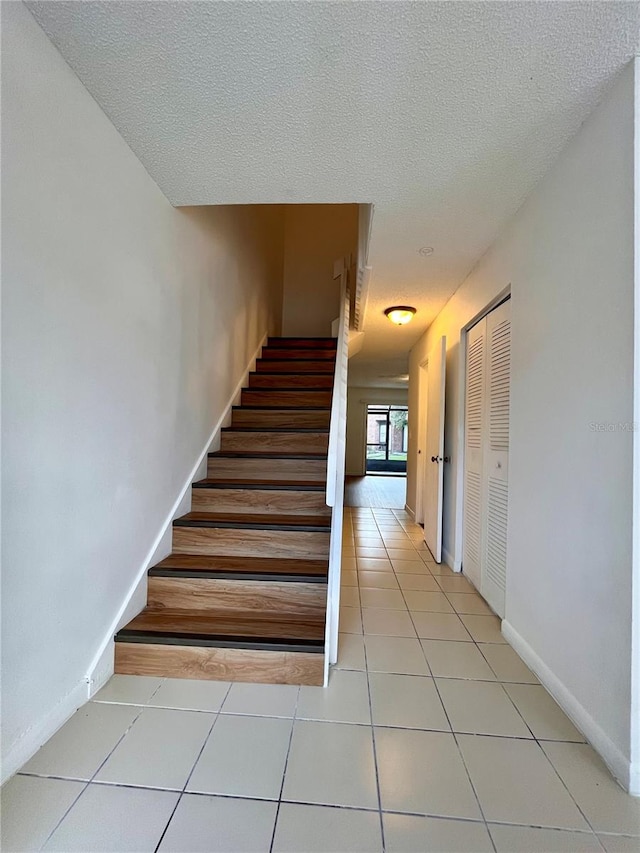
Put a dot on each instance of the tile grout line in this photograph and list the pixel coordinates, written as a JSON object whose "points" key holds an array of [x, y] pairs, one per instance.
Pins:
{"points": [[455, 739], [190, 774], [284, 770], [375, 752], [95, 773]]}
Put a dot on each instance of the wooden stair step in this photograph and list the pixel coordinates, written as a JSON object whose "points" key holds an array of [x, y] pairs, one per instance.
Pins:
{"points": [[305, 497], [289, 380], [274, 440], [267, 416], [303, 343], [254, 521], [215, 628], [289, 467], [279, 397], [301, 365], [253, 535], [266, 454], [263, 567], [236, 647], [277, 485], [262, 595], [280, 353]]}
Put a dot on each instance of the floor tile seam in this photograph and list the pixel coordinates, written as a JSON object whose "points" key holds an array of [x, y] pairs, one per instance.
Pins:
{"points": [[284, 769], [193, 767], [375, 753], [85, 785], [464, 764], [97, 770], [615, 834], [193, 710], [430, 638], [205, 741], [366, 809], [540, 826], [499, 681], [518, 711], [564, 785], [491, 825]]}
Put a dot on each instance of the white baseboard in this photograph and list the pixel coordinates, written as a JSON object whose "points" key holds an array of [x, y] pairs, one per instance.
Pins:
{"points": [[448, 559], [409, 511], [101, 668], [617, 763], [32, 739]]}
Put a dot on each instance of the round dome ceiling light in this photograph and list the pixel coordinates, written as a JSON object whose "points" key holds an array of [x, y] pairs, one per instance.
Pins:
{"points": [[400, 314], [425, 251]]}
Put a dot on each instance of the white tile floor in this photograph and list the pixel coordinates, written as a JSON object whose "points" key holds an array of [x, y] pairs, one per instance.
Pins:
{"points": [[432, 736]]}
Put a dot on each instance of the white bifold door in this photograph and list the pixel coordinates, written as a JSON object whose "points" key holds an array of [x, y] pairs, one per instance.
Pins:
{"points": [[486, 465]]}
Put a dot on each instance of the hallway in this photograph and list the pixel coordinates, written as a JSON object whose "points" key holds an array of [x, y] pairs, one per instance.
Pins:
{"points": [[432, 735], [380, 491]]}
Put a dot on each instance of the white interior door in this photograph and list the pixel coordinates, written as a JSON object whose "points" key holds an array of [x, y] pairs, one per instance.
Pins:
{"points": [[421, 432], [434, 458]]}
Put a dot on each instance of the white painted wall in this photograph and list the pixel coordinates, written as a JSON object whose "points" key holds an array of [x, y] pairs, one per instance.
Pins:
{"points": [[357, 401], [126, 326], [316, 235], [569, 257]]}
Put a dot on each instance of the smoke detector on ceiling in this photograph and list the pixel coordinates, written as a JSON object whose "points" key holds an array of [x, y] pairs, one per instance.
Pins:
{"points": [[425, 251]]}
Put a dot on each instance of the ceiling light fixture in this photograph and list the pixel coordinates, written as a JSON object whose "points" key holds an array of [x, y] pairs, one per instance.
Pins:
{"points": [[425, 251], [400, 314]]}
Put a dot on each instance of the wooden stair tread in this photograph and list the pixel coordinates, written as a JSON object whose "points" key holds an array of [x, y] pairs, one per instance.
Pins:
{"points": [[200, 626], [262, 521], [279, 388], [276, 485], [279, 340], [238, 565], [283, 408], [265, 454], [277, 430]]}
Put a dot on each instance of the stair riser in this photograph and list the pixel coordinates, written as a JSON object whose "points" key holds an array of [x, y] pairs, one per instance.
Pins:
{"points": [[219, 664], [229, 542], [273, 398], [290, 380], [284, 502], [303, 343], [285, 366], [300, 599], [293, 419], [284, 442], [281, 353], [267, 469]]}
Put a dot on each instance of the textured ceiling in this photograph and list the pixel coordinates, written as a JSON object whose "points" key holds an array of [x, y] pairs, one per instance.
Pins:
{"points": [[442, 114]]}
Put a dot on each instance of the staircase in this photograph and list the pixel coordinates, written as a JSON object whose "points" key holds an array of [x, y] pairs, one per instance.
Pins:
{"points": [[243, 595]]}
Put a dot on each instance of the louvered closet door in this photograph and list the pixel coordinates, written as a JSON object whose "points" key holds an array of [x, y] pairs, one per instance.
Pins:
{"points": [[475, 406], [496, 456]]}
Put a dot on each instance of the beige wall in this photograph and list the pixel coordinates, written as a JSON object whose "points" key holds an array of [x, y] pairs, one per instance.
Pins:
{"points": [[568, 256], [315, 236], [357, 401], [127, 325]]}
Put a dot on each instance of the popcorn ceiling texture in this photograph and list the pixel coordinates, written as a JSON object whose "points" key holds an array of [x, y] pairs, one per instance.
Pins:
{"points": [[443, 114]]}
